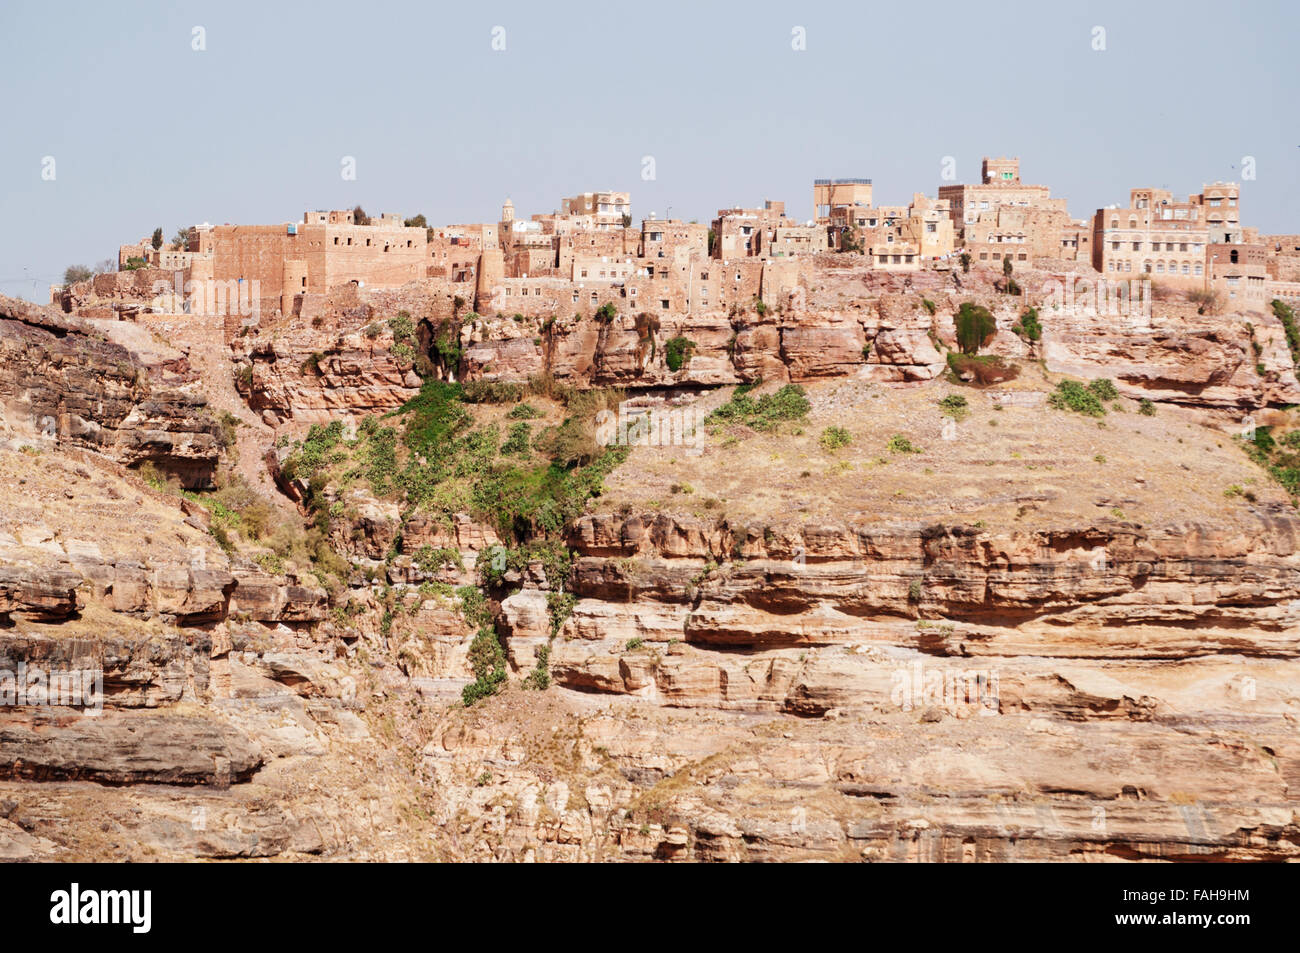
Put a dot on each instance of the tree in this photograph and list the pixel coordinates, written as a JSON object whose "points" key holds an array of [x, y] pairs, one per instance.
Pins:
{"points": [[181, 239], [359, 216], [417, 221], [975, 325], [105, 266], [1006, 266], [74, 273], [157, 239], [965, 262]]}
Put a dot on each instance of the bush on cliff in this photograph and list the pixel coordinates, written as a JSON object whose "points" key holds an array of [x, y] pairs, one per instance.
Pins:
{"points": [[765, 413], [1071, 395], [975, 325], [677, 352]]}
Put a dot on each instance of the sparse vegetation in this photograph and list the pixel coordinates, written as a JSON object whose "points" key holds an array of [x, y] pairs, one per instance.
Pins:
{"points": [[954, 406], [1071, 395], [1028, 326], [900, 444], [765, 413], [834, 438]]}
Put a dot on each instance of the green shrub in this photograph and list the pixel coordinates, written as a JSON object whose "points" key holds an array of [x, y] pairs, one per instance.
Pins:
{"points": [[1146, 408], [974, 325], [1103, 388], [765, 413], [1028, 326], [403, 328], [540, 677], [1071, 395], [519, 440], [491, 392], [954, 406], [929, 306], [606, 312], [524, 412], [431, 561], [677, 352], [900, 444], [488, 662], [1286, 314], [833, 438]]}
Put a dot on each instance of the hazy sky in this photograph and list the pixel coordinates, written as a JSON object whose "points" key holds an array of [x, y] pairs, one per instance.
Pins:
{"points": [[144, 130]]}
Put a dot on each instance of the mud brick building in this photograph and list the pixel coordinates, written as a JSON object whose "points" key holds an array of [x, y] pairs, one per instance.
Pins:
{"points": [[1164, 239], [764, 233], [326, 249]]}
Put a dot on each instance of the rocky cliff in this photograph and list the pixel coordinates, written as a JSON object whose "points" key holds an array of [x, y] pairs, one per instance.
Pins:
{"points": [[960, 630]]}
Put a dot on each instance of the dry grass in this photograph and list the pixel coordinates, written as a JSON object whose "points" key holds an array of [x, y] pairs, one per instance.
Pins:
{"points": [[1018, 466]]}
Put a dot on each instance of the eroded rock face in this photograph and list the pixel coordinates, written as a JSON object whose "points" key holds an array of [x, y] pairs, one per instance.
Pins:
{"points": [[1177, 356], [315, 375], [1173, 355], [65, 379], [786, 690]]}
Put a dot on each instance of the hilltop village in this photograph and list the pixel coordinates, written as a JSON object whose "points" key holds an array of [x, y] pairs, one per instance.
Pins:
{"points": [[590, 252]]}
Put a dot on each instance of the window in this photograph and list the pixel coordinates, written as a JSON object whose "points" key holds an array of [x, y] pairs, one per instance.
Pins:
{"points": [[663, 303]]}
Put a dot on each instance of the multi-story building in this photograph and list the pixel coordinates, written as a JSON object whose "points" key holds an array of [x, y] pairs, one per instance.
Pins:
{"points": [[326, 249], [829, 194], [607, 209], [764, 233], [1161, 238], [999, 185]]}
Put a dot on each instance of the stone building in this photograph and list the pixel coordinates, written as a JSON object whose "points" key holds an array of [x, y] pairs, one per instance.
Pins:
{"points": [[326, 249], [1165, 239], [999, 185], [829, 194], [607, 209], [764, 233]]}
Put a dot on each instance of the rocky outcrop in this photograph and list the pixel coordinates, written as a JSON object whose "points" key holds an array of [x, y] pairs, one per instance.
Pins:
{"points": [[126, 749], [1220, 361], [314, 375], [70, 380]]}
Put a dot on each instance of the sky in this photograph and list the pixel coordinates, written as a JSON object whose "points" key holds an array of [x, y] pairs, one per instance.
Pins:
{"points": [[122, 117]]}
